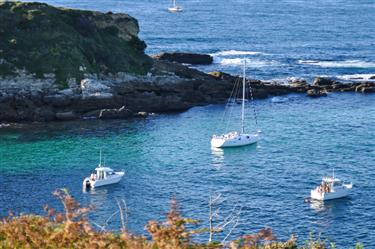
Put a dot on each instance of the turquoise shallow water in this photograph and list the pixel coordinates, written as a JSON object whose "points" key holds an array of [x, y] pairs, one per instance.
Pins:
{"points": [[170, 155]]}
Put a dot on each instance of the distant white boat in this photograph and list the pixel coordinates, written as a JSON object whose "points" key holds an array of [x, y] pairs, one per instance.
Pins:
{"points": [[102, 176], [237, 138], [331, 188], [175, 7]]}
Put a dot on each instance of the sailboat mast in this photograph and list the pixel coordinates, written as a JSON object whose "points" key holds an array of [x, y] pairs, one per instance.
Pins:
{"points": [[100, 158], [243, 98]]}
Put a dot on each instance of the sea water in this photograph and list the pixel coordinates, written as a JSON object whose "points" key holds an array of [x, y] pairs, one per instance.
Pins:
{"points": [[169, 155], [279, 39]]}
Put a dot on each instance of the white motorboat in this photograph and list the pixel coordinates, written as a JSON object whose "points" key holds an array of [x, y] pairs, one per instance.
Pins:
{"points": [[235, 138], [331, 188], [175, 8], [102, 176]]}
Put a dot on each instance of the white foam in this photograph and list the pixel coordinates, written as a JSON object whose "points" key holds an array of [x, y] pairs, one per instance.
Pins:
{"points": [[236, 57], [4, 125], [235, 52], [338, 64], [356, 77], [249, 62]]}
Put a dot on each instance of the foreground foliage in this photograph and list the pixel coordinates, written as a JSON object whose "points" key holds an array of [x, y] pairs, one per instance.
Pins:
{"points": [[71, 229]]}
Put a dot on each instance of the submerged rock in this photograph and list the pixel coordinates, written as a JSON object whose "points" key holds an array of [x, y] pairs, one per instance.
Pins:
{"points": [[315, 93]]}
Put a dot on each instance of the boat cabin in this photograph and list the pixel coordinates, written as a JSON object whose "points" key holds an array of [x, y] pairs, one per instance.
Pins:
{"points": [[102, 173], [332, 180], [330, 183]]}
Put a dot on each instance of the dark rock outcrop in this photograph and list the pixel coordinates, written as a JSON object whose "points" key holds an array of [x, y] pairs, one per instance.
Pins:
{"points": [[187, 58], [321, 81], [64, 116], [122, 112], [365, 88], [298, 83]]}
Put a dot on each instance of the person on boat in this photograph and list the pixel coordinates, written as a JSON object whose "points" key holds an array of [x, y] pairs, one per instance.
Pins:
{"points": [[93, 176], [320, 188]]}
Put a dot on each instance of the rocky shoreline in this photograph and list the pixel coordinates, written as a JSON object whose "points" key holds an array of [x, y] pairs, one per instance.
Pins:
{"points": [[99, 91], [169, 87]]}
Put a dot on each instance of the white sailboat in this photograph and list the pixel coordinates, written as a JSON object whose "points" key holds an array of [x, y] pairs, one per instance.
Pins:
{"points": [[237, 138], [175, 8]]}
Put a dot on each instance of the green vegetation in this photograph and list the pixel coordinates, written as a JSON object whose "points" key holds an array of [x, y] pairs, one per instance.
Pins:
{"points": [[71, 229], [43, 39]]}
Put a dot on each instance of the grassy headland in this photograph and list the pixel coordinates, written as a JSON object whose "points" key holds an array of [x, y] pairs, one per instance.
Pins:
{"points": [[43, 39]]}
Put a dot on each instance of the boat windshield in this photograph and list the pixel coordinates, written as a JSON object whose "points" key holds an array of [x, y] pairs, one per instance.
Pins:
{"points": [[337, 183]]}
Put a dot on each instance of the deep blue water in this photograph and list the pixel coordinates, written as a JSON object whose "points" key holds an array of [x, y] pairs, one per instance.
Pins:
{"points": [[280, 39], [170, 155]]}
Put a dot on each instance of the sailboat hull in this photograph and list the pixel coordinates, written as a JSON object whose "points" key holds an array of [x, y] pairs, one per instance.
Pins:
{"points": [[230, 140], [175, 9]]}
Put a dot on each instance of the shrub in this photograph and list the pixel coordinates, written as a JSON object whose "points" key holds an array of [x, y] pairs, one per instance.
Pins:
{"points": [[71, 229]]}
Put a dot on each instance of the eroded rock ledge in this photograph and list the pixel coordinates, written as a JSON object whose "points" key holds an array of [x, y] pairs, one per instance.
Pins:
{"points": [[168, 87]]}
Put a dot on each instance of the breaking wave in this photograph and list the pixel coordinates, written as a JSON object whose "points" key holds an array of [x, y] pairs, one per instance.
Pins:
{"points": [[370, 77], [339, 64], [235, 52], [249, 62]]}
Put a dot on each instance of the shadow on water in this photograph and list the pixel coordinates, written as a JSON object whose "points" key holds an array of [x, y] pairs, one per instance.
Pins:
{"points": [[233, 150], [331, 206], [100, 197], [220, 155], [31, 132]]}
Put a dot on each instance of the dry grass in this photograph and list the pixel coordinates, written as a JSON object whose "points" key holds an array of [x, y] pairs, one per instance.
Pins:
{"points": [[71, 229]]}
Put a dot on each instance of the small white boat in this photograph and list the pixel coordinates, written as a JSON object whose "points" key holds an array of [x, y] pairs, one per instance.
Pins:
{"points": [[331, 188], [102, 176], [235, 138], [175, 8]]}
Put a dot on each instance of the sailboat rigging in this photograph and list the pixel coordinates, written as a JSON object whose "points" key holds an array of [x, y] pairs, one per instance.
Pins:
{"points": [[175, 7], [235, 138]]}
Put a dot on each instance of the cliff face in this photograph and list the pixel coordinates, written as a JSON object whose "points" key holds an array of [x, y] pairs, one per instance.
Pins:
{"points": [[67, 44], [58, 63]]}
